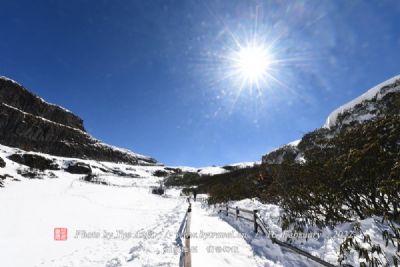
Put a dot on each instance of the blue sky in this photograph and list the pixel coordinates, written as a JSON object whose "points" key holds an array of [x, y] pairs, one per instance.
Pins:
{"points": [[149, 75]]}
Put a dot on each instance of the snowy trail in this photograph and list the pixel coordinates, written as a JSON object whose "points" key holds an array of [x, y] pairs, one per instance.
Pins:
{"points": [[215, 243]]}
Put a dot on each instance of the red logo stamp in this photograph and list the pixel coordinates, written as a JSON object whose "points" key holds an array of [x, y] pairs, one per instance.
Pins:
{"points": [[60, 234]]}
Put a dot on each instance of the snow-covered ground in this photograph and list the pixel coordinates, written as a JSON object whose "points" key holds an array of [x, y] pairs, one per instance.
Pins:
{"points": [[119, 224]]}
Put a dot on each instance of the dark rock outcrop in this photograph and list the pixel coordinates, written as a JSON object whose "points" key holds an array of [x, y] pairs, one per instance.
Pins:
{"points": [[160, 173], [5, 176], [29, 123], [79, 168], [34, 161], [2, 163], [31, 174]]}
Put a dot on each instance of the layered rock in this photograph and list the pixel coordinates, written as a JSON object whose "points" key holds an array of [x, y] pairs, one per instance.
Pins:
{"points": [[30, 123], [17, 96]]}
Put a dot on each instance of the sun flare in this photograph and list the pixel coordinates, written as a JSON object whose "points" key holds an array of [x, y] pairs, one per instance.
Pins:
{"points": [[252, 63]]}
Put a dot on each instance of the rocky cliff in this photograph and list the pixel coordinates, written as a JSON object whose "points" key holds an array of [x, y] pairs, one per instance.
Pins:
{"points": [[30, 123]]}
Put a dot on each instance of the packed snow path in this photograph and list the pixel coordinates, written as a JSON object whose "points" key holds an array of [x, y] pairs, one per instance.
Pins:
{"points": [[219, 240], [216, 243]]}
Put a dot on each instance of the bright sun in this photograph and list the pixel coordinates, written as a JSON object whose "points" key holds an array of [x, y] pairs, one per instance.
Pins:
{"points": [[252, 63]]}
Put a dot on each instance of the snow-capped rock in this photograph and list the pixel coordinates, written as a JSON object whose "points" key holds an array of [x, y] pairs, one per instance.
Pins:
{"points": [[365, 107], [376, 103]]}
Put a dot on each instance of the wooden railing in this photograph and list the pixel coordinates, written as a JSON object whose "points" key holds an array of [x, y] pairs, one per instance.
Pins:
{"points": [[260, 225], [184, 231]]}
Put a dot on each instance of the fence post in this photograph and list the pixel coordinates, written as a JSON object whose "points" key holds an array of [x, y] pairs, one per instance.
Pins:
{"points": [[255, 220], [187, 252], [227, 210], [237, 212]]}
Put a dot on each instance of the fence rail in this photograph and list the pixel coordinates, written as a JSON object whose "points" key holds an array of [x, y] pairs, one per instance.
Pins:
{"points": [[185, 259], [259, 224]]}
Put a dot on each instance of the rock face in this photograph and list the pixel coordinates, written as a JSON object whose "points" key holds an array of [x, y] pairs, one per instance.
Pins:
{"points": [[18, 97], [30, 123]]}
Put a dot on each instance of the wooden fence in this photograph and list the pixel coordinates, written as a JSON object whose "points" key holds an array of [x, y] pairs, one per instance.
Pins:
{"points": [[259, 225], [184, 231]]}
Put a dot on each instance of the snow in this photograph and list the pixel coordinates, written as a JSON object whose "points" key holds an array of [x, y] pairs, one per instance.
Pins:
{"points": [[371, 93], [300, 158], [245, 164], [8, 79], [211, 170], [214, 170], [216, 243], [294, 143]]}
